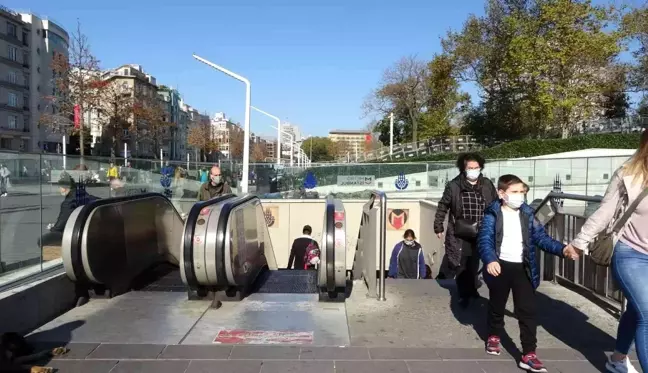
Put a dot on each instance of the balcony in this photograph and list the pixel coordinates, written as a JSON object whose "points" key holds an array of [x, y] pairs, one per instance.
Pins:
{"points": [[13, 85], [26, 108], [16, 109], [9, 61], [13, 40]]}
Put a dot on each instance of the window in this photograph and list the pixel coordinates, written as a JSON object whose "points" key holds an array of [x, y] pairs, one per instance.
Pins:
{"points": [[13, 78], [13, 99], [13, 53], [12, 30], [13, 122]]}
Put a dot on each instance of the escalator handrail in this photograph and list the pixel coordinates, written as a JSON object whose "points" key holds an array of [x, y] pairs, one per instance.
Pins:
{"points": [[81, 221], [221, 233], [188, 235], [329, 245]]}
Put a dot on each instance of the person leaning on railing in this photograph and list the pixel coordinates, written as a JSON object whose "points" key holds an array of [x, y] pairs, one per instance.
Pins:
{"points": [[630, 256]]}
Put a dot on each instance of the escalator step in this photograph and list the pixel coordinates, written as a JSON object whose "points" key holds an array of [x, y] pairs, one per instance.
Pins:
{"points": [[162, 278], [287, 282]]}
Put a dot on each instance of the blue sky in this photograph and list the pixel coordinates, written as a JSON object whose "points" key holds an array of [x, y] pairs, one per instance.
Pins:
{"points": [[311, 62]]}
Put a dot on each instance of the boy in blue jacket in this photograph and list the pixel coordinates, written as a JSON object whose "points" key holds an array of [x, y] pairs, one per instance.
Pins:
{"points": [[507, 241]]}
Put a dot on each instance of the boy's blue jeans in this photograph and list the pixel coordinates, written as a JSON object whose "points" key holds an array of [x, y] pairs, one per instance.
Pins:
{"points": [[630, 269]]}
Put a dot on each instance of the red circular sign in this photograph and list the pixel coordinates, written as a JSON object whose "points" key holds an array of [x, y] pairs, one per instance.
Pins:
{"points": [[338, 216]]}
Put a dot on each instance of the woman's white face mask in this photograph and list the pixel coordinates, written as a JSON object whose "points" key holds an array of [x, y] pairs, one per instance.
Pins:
{"points": [[473, 175]]}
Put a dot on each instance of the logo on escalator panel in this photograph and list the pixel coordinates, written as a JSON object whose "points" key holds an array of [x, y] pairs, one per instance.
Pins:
{"points": [[271, 215], [397, 219], [401, 182]]}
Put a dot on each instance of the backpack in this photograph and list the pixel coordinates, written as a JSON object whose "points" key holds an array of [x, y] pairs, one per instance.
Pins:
{"points": [[312, 256]]}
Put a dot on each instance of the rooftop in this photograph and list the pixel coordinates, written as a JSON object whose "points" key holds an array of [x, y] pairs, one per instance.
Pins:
{"points": [[348, 132]]}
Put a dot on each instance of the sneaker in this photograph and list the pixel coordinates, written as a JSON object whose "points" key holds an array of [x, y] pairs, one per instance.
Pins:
{"points": [[623, 366], [493, 345], [531, 363]]}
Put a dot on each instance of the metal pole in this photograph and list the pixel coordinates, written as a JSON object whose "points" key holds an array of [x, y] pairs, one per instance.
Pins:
{"points": [[125, 154], [246, 128], [64, 153], [187, 161], [278, 131], [292, 152], [161, 159], [391, 133], [310, 155]]}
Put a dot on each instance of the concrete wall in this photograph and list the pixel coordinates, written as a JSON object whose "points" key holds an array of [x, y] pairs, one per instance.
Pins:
{"points": [[27, 307], [291, 216]]}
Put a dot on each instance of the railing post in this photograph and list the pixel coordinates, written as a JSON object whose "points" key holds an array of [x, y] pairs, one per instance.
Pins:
{"points": [[383, 244]]}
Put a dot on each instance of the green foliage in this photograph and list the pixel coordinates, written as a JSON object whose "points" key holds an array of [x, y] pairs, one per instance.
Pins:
{"points": [[321, 148], [537, 147]]}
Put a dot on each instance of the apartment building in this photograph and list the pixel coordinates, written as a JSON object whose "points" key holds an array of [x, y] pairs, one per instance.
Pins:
{"points": [[15, 118], [351, 141], [134, 82], [226, 131]]}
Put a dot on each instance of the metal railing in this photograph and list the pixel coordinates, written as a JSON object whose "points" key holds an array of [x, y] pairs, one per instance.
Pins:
{"points": [[563, 216], [381, 197]]}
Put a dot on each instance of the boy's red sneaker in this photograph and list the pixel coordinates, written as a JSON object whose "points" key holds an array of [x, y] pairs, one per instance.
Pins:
{"points": [[493, 345], [531, 363]]}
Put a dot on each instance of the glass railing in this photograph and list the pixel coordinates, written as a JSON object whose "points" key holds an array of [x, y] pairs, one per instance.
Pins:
{"points": [[33, 200]]}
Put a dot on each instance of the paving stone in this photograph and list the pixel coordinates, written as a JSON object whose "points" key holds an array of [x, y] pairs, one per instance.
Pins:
{"points": [[126, 351], [413, 353], [77, 350], [82, 366], [504, 366], [196, 352], [220, 366], [371, 367], [469, 354], [573, 367], [298, 367], [334, 353], [151, 366], [550, 354], [444, 367], [265, 352]]}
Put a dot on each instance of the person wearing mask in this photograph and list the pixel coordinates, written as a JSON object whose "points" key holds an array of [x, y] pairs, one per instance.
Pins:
{"points": [[215, 187], [300, 249], [624, 210], [73, 198], [407, 259], [465, 198]]}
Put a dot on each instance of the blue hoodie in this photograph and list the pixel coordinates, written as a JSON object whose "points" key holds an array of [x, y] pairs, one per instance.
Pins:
{"points": [[393, 263], [489, 239]]}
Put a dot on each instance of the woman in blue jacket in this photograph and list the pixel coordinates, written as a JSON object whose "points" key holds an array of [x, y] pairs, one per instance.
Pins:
{"points": [[407, 259]]}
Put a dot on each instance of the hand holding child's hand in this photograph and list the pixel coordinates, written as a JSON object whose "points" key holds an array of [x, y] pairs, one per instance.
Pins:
{"points": [[571, 252], [494, 269]]}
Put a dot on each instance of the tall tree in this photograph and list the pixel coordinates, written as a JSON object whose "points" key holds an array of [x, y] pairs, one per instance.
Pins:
{"points": [[402, 89], [258, 153], [76, 81], [322, 149], [236, 137], [152, 126], [202, 137]]}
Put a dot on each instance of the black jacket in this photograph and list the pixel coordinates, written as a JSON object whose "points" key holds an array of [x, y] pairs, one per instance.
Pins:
{"points": [[298, 251], [451, 202], [71, 201]]}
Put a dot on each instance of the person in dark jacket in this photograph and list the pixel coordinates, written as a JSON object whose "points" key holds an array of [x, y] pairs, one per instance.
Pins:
{"points": [[507, 241], [74, 197], [300, 247], [215, 187], [465, 198], [407, 259]]}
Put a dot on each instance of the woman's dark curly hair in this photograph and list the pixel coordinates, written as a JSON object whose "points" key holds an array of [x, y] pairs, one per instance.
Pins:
{"points": [[467, 157]]}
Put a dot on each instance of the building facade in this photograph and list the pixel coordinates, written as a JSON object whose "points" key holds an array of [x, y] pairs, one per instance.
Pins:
{"points": [[351, 142], [27, 47]]}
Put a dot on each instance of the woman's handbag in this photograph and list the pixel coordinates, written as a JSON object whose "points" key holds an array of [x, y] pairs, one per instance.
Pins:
{"points": [[466, 229], [602, 248]]}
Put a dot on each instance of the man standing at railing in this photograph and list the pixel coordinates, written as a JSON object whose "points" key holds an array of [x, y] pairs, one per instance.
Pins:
{"points": [[215, 187]]}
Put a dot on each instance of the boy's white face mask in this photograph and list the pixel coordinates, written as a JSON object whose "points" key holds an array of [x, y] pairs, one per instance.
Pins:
{"points": [[514, 201]]}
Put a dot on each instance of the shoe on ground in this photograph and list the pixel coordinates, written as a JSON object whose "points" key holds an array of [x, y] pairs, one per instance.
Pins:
{"points": [[623, 366], [493, 346], [531, 363]]}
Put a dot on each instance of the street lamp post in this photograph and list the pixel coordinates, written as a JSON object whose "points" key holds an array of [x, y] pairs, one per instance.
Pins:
{"points": [[292, 142], [278, 132], [246, 127], [391, 133]]}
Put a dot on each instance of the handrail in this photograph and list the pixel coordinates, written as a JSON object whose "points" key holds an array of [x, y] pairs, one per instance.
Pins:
{"points": [[574, 197], [81, 221], [330, 243], [221, 233], [382, 197], [189, 231]]}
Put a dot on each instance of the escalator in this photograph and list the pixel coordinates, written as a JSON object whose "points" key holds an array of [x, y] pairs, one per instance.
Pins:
{"points": [[222, 251], [233, 256]]}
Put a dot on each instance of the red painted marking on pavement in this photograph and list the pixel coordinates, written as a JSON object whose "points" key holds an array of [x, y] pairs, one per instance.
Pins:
{"points": [[237, 336]]}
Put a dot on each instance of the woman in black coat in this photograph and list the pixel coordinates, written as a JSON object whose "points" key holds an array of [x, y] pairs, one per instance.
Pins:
{"points": [[465, 197]]}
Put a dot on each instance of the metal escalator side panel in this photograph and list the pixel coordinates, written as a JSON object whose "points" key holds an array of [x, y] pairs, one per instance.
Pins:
{"points": [[340, 244], [189, 260], [330, 245], [67, 252], [210, 244]]}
